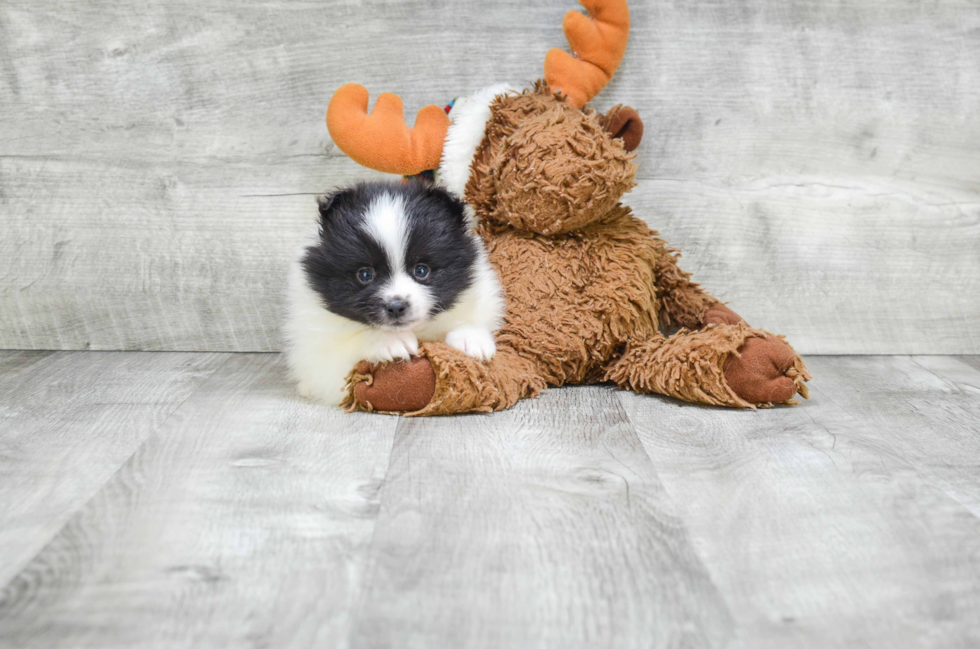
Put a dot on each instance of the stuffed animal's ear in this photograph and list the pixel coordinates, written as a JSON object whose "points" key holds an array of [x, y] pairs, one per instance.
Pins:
{"points": [[625, 123]]}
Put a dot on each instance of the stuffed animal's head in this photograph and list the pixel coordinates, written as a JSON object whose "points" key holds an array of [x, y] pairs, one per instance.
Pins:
{"points": [[537, 160], [546, 166]]}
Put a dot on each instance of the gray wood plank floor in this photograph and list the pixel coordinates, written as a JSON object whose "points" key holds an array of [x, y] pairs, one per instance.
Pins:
{"points": [[193, 500]]}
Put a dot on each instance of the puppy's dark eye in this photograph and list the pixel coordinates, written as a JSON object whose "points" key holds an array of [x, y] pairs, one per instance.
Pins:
{"points": [[421, 271], [365, 275]]}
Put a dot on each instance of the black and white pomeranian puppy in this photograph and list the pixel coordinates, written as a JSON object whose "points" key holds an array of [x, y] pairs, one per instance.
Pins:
{"points": [[391, 264]]}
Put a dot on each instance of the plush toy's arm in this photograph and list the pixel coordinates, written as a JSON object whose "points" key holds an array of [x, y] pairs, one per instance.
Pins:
{"points": [[683, 302]]}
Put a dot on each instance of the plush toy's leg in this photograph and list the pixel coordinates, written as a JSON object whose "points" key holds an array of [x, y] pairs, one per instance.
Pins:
{"points": [[722, 364], [443, 381], [683, 301]]}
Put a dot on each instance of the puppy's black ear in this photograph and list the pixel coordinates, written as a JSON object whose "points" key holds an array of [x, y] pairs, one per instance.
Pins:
{"points": [[328, 203], [452, 203]]}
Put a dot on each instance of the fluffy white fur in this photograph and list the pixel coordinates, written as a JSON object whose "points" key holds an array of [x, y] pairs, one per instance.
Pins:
{"points": [[468, 124], [321, 347]]}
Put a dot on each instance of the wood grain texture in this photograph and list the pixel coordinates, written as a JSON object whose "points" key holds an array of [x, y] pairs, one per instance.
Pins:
{"points": [[849, 520], [67, 423], [928, 412], [816, 162], [543, 526], [242, 522], [587, 517]]}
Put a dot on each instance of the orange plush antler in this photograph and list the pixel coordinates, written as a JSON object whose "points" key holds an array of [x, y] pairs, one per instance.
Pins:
{"points": [[598, 42], [382, 140]]}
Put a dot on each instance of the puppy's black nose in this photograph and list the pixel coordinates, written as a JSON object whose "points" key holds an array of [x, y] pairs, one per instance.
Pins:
{"points": [[396, 307]]}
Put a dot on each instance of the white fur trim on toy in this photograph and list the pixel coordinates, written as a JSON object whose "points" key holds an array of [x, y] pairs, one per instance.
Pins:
{"points": [[468, 123]]}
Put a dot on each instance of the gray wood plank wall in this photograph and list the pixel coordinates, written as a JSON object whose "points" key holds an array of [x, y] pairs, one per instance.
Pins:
{"points": [[819, 163]]}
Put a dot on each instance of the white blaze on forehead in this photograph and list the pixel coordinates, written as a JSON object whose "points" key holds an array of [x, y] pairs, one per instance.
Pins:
{"points": [[385, 221]]}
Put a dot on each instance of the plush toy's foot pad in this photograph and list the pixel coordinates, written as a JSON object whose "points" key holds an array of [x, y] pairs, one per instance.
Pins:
{"points": [[404, 386], [766, 370]]}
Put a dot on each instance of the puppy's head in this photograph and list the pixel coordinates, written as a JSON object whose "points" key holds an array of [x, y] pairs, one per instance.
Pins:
{"points": [[391, 255]]}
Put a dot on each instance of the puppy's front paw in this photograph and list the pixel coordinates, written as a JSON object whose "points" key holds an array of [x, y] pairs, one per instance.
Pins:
{"points": [[473, 341], [394, 346]]}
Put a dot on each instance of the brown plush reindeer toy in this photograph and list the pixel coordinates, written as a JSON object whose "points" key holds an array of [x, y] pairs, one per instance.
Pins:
{"points": [[588, 285]]}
